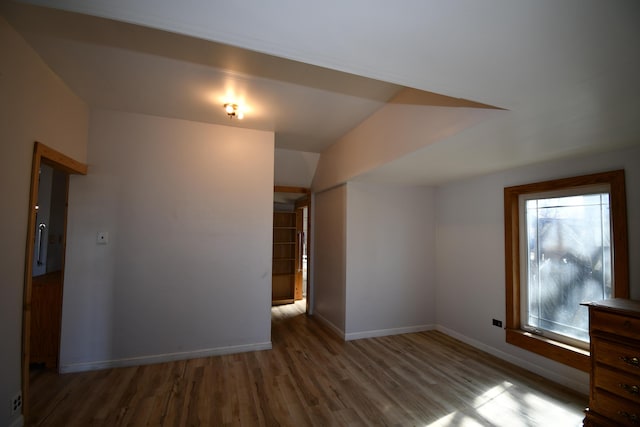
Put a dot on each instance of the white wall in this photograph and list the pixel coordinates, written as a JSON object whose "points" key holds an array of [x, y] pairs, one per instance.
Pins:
{"points": [[470, 253], [34, 105], [329, 256], [390, 285], [294, 168], [187, 270]]}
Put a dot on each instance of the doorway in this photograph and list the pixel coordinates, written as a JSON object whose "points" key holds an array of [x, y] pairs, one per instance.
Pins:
{"points": [[46, 270], [44, 260], [291, 243]]}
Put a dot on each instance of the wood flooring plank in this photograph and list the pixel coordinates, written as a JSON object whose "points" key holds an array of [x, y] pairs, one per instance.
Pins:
{"points": [[312, 378]]}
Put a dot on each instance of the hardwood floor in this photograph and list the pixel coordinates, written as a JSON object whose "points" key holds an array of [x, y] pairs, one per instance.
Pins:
{"points": [[311, 377]]}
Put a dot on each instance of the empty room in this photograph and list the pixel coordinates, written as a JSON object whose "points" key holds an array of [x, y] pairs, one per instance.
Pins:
{"points": [[319, 213]]}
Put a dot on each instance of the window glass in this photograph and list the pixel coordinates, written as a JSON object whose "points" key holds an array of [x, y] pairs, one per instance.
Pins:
{"points": [[568, 261]]}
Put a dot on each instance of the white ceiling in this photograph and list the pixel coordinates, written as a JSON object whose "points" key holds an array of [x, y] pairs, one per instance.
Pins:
{"points": [[567, 72], [132, 68]]}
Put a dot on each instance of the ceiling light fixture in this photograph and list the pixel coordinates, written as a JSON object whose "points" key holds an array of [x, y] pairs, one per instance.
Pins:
{"points": [[233, 110]]}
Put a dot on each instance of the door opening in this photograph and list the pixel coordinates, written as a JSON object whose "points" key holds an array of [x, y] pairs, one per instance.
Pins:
{"points": [[44, 260], [47, 274], [290, 270]]}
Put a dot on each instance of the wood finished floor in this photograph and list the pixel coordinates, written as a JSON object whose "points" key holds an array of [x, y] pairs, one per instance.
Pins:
{"points": [[312, 378]]}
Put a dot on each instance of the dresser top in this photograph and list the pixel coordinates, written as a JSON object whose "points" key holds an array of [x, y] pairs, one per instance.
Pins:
{"points": [[622, 305]]}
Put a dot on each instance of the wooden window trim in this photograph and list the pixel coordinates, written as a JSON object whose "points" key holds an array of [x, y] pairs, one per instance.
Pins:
{"points": [[515, 335]]}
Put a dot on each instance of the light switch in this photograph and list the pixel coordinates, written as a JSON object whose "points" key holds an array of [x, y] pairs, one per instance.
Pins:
{"points": [[102, 238]]}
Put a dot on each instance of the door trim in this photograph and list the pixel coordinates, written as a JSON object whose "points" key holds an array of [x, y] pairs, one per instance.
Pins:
{"points": [[59, 161], [289, 189]]}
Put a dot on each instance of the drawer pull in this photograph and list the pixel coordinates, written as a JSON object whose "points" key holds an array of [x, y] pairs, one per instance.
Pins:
{"points": [[633, 389], [634, 361], [631, 417]]}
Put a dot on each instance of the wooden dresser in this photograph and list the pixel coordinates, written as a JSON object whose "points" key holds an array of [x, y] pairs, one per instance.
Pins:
{"points": [[614, 328]]}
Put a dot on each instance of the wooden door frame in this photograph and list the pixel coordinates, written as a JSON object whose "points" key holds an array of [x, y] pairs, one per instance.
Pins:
{"points": [[306, 202], [42, 154]]}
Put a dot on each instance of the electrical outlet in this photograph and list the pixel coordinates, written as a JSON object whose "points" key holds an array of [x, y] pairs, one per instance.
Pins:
{"points": [[16, 404], [497, 323]]}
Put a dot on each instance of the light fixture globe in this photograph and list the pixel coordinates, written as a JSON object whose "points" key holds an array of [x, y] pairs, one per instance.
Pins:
{"points": [[233, 110]]}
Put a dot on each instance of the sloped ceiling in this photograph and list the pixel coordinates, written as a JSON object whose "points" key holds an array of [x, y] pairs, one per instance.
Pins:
{"points": [[565, 73]]}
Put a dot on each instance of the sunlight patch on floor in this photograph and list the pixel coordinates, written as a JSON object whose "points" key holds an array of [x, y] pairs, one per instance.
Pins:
{"points": [[513, 409], [503, 406], [455, 419]]}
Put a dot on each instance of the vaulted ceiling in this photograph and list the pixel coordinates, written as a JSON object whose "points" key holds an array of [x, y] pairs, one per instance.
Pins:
{"points": [[564, 75]]}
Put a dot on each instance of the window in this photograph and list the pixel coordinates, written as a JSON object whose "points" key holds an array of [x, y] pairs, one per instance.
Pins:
{"points": [[565, 243]]}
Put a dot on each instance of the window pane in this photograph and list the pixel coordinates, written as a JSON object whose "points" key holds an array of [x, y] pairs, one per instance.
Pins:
{"points": [[569, 261]]}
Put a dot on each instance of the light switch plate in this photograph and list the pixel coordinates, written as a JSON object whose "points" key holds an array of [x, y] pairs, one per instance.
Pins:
{"points": [[102, 237]]}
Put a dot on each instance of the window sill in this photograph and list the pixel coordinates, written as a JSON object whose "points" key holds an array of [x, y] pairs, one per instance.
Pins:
{"points": [[560, 352]]}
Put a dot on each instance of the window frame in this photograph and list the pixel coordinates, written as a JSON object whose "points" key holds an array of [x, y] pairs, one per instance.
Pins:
{"points": [[561, 352]]}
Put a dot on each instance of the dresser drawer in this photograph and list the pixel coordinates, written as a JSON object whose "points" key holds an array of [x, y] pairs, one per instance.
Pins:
{"points": [[622, 411], [614, 328], [616, 324], [616, 355], [620, 383]]}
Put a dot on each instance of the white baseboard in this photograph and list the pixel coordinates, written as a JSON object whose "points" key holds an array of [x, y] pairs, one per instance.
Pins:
{"points": [[573, 384], [18, 422], [385, 332], [330, 325], [161, 358], [374, 333]]}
